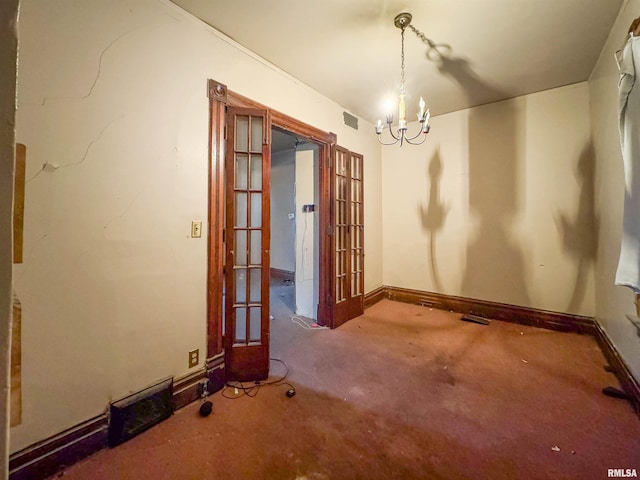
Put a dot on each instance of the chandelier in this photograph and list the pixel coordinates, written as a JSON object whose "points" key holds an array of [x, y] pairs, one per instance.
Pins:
{"points": [[402, 21]]}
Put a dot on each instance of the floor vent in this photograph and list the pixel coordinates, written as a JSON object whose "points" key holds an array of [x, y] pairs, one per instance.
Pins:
{"points": [[136, 413]]}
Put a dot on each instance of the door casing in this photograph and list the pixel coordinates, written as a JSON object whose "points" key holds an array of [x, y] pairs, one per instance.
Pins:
{"points": [[219, 98]]}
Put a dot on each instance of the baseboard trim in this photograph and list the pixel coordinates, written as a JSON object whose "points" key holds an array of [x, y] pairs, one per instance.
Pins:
{"points": [[563, 322], [374, 296], [188, 389], [283, 274], [59, 451], [629, 384], [51, 455]]}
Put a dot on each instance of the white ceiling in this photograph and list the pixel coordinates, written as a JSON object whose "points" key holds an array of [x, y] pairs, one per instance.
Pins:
{"points": [[349, 50]]}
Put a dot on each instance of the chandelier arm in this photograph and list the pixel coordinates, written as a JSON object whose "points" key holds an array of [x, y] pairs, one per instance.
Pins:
{"points": [[421, 131], [387, 143], [409, 141], [392, 135]]}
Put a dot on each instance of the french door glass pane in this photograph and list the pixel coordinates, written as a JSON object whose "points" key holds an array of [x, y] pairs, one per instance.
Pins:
{"points": [[241, 286], [241, 248], [256, 210], [242, 133], [241, 209], [255, 314], [255, 284], [241, 325], [256, 247], [256, 172], [241, 171], [256, 134]]}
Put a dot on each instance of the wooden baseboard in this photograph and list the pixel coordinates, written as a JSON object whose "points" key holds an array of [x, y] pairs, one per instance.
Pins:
{"points": [[374, 296], [188, 389], [66, 448], [51, 455], [629, 384], [283, 274], [563, 322]]}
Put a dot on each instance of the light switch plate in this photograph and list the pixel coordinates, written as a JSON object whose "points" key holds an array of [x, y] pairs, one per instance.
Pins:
{"points": [[196, 229]]}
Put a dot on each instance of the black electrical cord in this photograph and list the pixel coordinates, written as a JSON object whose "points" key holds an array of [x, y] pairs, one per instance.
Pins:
{"points": [[253, 389]]}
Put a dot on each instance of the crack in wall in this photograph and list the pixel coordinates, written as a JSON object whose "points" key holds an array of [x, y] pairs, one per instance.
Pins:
{"points": [[97, 76], [125, 211], [91, 143], [44, 165], [52, 167]]}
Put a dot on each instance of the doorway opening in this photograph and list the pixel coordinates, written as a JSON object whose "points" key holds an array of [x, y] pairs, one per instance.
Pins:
{"points": [[295, 265], [239, 237]]}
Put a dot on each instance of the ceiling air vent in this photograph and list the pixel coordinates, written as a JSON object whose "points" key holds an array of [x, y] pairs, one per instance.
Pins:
{"points": [[350, 120]]}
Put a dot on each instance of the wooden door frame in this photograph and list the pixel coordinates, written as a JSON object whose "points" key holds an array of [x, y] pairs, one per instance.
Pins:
{"points": [[219, 98]]}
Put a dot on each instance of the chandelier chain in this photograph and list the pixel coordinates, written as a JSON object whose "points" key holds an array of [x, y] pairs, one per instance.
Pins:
{"points": [[402, 64]]}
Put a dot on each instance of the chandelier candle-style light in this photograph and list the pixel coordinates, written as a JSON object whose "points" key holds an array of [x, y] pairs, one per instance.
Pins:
{"points": [[402, 21]]}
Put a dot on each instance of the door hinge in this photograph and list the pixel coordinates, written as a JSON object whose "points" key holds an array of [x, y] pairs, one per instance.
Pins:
{"points": [[224, 235], [225, 132], [329, 230], [329, 161], [329, 299]]}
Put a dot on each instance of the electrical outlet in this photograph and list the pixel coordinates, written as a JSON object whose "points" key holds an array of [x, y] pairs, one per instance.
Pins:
{"points": [[196, 229], [194, 357]]}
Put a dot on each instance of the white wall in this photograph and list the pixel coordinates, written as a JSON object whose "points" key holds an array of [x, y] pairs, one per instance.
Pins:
{"points": [[497, 204], [283, 235], [112, 99], [306, 280], [8, 56], [612, 302]]}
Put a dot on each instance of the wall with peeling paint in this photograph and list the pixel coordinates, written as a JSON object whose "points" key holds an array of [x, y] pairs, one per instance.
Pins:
{"points": [[113, 110], [497, 205], [613, 303], [8, 56]]}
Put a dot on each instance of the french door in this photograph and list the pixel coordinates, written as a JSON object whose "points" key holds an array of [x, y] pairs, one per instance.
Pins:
{"points": [[239, 239], [247, 172], [348, 238]]}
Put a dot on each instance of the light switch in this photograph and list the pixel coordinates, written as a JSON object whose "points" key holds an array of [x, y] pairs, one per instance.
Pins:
{"points": [[196, 229]]}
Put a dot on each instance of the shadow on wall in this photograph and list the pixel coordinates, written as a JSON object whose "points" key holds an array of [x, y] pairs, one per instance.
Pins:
{"points": [[495, 265], [580, 235], [434, 214]]}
